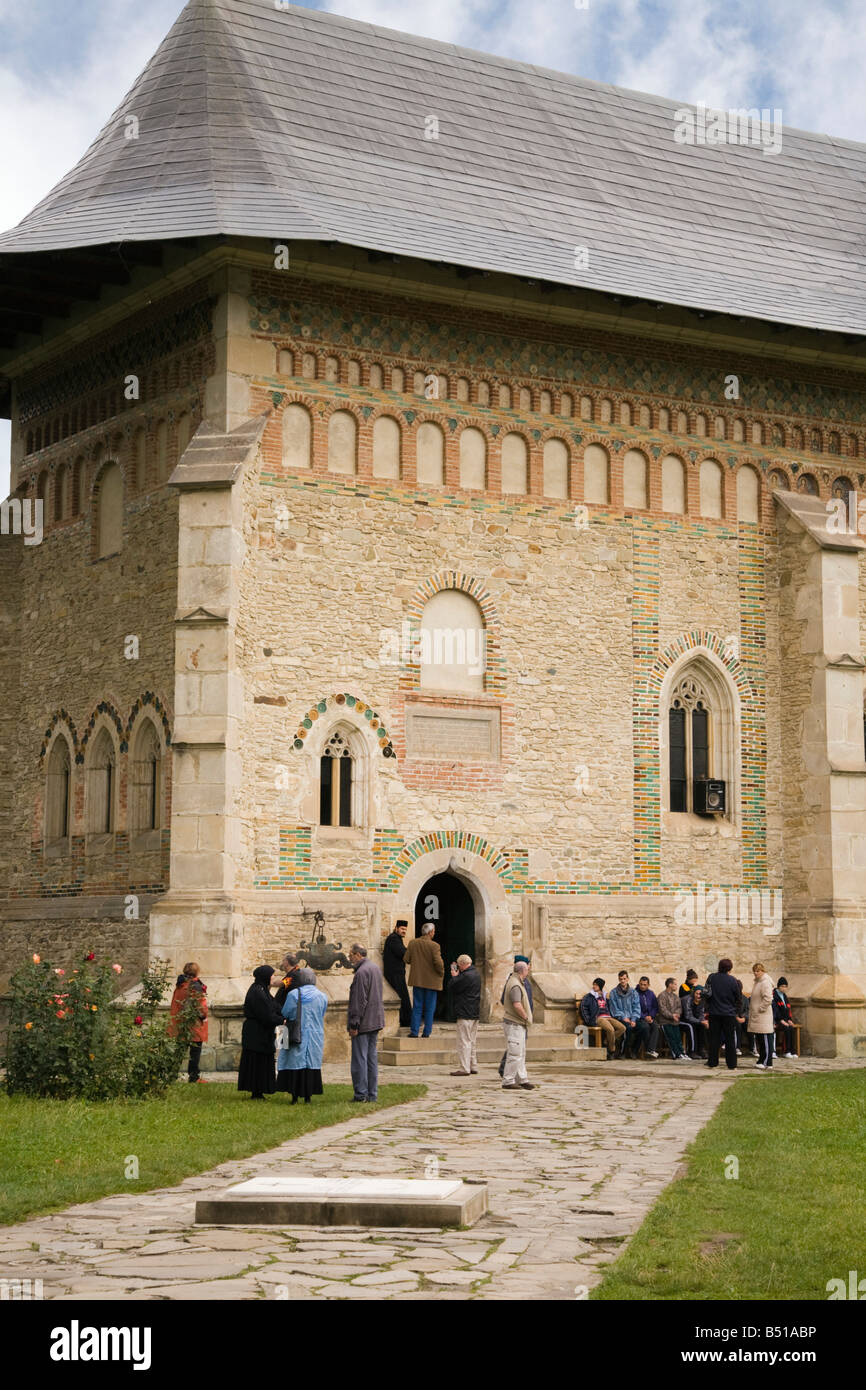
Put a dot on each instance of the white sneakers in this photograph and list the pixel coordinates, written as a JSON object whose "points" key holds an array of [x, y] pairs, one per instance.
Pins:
{"points": [[652, 1054]]}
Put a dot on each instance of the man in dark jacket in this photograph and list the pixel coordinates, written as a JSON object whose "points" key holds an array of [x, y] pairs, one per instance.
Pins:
{"points": [[783, 1018], [366, 1016], [724, 998], [464, 995], [394, 969], [649, 1008], [289, 968], [595, 1013]]}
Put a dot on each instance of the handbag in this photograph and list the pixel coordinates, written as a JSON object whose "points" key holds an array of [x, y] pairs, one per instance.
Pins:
{"points": [[294, 1025]]}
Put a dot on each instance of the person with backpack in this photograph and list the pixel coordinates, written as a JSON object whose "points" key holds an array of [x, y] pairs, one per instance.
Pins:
{"points": [[299, 1063]]}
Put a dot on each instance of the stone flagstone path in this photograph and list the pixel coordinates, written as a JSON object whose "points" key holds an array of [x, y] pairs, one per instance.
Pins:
{"points": [[564, 1194]]}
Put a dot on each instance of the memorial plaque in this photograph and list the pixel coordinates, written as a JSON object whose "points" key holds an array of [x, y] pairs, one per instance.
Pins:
{"points": [[280, 1199]]}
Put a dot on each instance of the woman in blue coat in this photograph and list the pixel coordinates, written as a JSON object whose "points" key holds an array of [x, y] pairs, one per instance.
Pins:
{"points": [[299, 1068]]}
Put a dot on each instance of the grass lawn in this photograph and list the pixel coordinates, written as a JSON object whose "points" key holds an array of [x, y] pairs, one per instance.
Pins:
{"points": [[54, 1153], [794, 1218]]}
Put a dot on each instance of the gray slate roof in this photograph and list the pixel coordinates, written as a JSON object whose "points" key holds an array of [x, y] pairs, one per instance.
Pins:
{"points": [[295, 124]]}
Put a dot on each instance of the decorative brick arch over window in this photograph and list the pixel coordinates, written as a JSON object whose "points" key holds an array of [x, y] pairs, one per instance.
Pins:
{"points": [[110, 713], [330, 707], [148, 701], [494, 676], [731, 698], [61, 717]]}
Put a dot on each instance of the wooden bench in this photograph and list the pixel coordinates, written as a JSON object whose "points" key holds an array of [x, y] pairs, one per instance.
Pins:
{"points": [[594, 1034], [795, 1029]]}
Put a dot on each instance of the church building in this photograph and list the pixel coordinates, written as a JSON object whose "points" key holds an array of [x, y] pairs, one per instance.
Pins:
{"points": [[435, 494]]}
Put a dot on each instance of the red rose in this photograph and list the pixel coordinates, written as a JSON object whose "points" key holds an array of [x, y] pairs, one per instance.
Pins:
{"points": [[91, 956], [138, 1019]]}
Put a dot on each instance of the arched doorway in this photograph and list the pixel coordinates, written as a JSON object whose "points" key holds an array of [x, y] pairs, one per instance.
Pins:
{"points": [[446, 902]]}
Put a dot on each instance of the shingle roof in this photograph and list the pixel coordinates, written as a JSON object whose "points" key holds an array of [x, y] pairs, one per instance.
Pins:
{"points": [[296, 124]]}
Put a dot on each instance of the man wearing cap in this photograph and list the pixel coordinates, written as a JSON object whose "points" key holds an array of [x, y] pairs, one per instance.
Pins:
{"points": [[516, 1024], [394, 969], [527, 985]]}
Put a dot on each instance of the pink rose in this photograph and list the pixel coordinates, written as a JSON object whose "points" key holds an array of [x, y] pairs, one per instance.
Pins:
{"points": [[117, 969]]}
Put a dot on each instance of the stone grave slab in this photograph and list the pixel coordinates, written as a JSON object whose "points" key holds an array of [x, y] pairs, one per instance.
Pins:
{"points": [[281, 1200]]}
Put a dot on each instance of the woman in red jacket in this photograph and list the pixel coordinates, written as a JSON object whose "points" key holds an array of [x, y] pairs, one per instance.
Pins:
{"points": [[189, 984]]}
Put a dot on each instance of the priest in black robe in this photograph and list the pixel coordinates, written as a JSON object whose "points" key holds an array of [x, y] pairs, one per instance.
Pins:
{"points": [[394, 969]]}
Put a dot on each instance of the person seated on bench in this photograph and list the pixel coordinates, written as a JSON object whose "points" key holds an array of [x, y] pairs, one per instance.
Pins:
{"points": [[691, 980], [594, 1013], [670, 1012], [695, 1018], [624, 1004], [649, 1008], [783, 1020]]}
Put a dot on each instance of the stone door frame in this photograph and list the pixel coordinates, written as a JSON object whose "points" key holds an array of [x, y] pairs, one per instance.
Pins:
{"points": [[493, 917]]}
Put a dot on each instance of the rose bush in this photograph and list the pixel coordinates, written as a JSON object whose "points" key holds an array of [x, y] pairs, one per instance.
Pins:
{"points": [[69, 1035]]}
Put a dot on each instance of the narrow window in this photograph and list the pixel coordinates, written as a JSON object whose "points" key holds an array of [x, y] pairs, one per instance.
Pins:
{"points": [[690, 741], [296, 436], [677, 722], [109, 512], [57, 793], [145, 808], [335, 783], [100, 786]]}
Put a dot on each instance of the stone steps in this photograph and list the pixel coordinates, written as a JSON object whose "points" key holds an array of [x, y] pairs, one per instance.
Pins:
{"points": [[440, 1050]]}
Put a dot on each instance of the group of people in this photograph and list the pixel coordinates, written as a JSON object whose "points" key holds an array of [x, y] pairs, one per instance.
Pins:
{"points": [[292, 1023], [696, 1020], [427, 978], [706, 1016]]}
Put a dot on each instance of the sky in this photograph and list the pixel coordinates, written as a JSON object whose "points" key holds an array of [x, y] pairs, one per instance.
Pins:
{"points": [[64, 68]]}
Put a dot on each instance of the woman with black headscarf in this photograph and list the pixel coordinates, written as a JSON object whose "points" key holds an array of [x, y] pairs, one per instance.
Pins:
{"points": [[261, 1017]]}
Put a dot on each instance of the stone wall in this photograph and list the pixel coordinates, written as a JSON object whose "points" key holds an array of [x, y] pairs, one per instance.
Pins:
{"points": [[93, 642]]}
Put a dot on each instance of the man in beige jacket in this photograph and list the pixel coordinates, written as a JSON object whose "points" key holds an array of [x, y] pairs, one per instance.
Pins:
{"points": [[515, 1024], [426, 977]]}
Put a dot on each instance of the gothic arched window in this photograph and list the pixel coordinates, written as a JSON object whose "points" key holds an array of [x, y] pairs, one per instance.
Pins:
{"points": [[101, 785], [336, 777], [689, 740], [146, 787], [57, 792]]}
